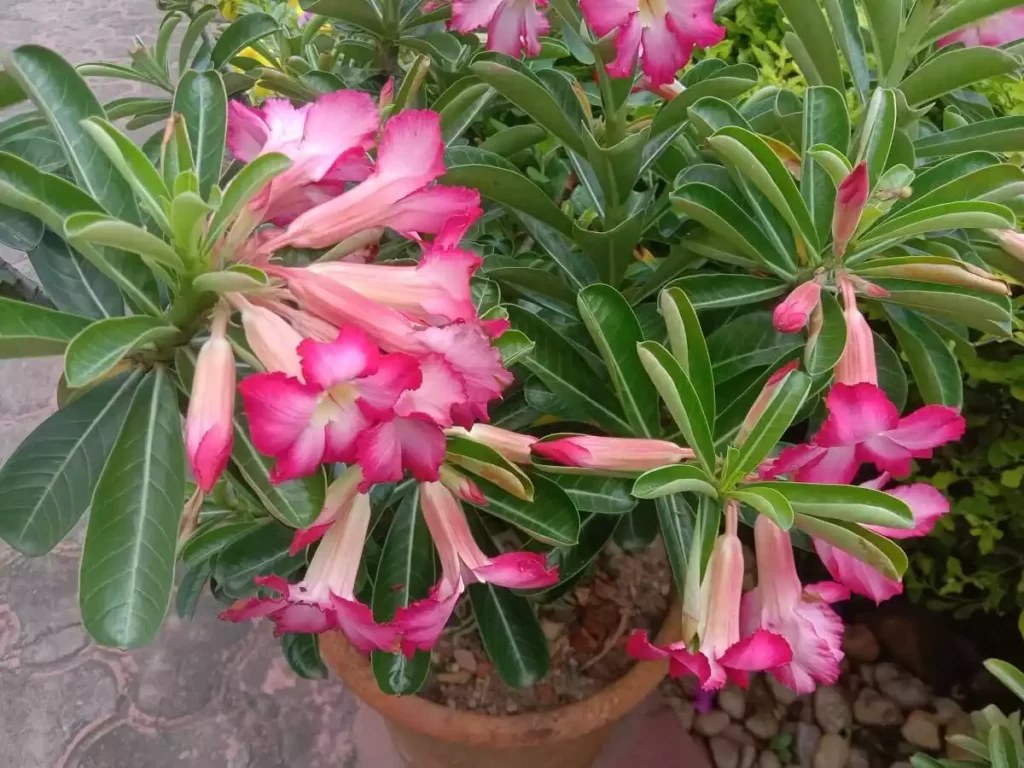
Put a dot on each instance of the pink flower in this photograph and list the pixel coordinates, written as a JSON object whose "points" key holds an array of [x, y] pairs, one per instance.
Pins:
{"points": [[793, 313], [209, 424], [348, 387], [460, 485], [864, 426], [780, 604], [340, 494], [462, 563], [325, 598], [513, 26], [272, 339], [396, 194], [612, 454], [857, 365], [994, 31], [926, 504], [326, 142], [851, 197], [512, 445], [722, 654], [763, 400], [662, 33]]}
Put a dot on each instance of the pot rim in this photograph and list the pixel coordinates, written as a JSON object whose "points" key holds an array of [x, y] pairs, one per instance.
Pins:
{"points": [[568, 721]]}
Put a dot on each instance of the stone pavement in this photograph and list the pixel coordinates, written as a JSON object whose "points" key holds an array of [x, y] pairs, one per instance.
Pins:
{"points": [[207, 694]]}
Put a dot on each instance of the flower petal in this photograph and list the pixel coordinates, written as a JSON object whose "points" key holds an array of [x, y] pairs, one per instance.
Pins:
{"points": [[247, 131], [627, 48], [856, 413], [356, 621], [279, 408], [427, 211], [761, 650], [518, 570], [440, 389], [423, 622], [928, 427], [605, 15], [860, 577], [927, 505], [350, 356], [414, 443], [396, 373]]}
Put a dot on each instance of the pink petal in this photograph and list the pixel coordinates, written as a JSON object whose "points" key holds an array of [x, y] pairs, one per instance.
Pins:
{"points": [[827, 591], [928, 428], [640, 647], [412, 149], [352, 165], [470, 15], [278, 408], [413, 443], [211, 457], [817, 649], [813, 464], [664, 53], [427, 211], [856, 413], [564, 451], [336, 124], [447, 271], [356, 621], [761, 650], [515, 27], [472, 356], [343, 430], [605, 15], [927, 505], [694, 21], [518, 570], [301, 618], [423, 622], [886, 455], [627, 47], [350, 356], [441, 388], [286, 123], [793, 313], [861, 578], [396, 373], [306, 536], [247, 132], [253, 608], [301, 458]]}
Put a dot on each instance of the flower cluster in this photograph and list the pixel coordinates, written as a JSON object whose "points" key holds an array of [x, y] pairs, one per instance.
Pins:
{"points": [[365, 364]]}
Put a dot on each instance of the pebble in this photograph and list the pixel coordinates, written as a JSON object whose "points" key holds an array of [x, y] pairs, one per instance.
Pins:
{"points": [[733, 701], [725, 753], [763, 725], [886, 673], [922, 731], [831, 710], [782, 694], [867, 673], [748, 756], [871, 708], [860, 643], [859, 758], [833, 752], [465, 659], [806, 743], [962, 726], [737, 733], [552, 629], [684, 711], [946, 711], [908, 692], [769, 759], [711, 723], [454, 678]]}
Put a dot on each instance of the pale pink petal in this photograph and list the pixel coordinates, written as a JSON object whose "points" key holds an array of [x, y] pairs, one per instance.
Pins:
{"points": [[287, 204], [861, 578], [761, 650], [447, 271], [470, 15], [412, 149], [350, 356], [396, 373], [252, 608], [286, 123], [346, 425], [927, 505], [423, 622], [827, 591], [441, 388], [856, 413], [793, 313], [302, 618], [416, 444], [337, 123], [518, 570], [928, 428], [994, 31], [886, 455], [356, 621], [352, 165], [627, 47], [278, 408], [302, 457], [664, 53], [429, 210], [247, 131], [472, 356], [814, 660], [605, 15], [515, 27]]}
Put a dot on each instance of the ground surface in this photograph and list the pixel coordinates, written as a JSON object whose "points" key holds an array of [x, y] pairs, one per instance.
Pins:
{"points": [[207, 694]]}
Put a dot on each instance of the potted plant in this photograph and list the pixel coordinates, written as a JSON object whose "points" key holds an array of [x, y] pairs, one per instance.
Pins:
{"points": [[386, 312]]}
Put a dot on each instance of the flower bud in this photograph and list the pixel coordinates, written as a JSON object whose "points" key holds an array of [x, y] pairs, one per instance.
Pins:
{"points": [[851, 198], [209, 424]]}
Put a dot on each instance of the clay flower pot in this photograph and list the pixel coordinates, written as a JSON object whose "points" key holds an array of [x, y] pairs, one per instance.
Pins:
{"points": [[428, 735]]}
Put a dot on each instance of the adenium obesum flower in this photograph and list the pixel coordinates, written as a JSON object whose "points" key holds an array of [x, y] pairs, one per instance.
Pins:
{"points": [[661, 33], [722, 653], [325, 597], [512, 445], [994, 31], [851, 198], [513, 26], [611, 454], [462, 563], [793, 313], [782, 605], [209, 423], [926, 504], [271, 338]]}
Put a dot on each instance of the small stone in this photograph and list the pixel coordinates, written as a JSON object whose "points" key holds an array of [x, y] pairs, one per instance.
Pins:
{"points": [[946, 711], [962, 726], [922, 731], [833, 752], [711, 723], [832, 710], [465, 659], [867, 673], [546, 695], [782, 694], [738, 733], [769, 759], [511, 707], [860, 643], [552, 629], [908, 692], [582, 595], [806, 743], [733, 700], [454, 678], [871, 708], [484, 669], [748, 756], [684, 711], [859, 758], [763, 725], [886, 673], [725, 753]]}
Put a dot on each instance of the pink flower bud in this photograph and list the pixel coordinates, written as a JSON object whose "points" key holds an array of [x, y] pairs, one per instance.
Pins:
{"points": [[512, 445], [792, 314], [461, 486], [271, 338], [209, 425], [612, 454], [851, 198], [857, 365]]}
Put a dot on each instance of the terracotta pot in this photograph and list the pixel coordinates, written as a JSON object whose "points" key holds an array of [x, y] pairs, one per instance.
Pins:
{"points": [[428, 735]]}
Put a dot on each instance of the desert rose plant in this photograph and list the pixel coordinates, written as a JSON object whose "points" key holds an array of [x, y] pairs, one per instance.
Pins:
{"points": [[405, 302]]}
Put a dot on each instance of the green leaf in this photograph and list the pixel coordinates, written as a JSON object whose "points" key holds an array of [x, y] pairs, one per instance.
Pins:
{"points": [[769, 503], [192, 35], [681, 398], [978, 309], [262, 551], [878, 127], [1001, 747], [10, 92], [460, 113], [359, 13], [49, 479], [847, 503], [885, 20], [934, 366], [128, 560], [638, 530], [966, 215], [824, 349], [721, 291], [725, 83], [248, 183], [201, 100], [865, 545], [612, 250], [960, 15], [846, 28], [672, 479], [616, 333], [677, 520], [72, 283], [1008, 675], [190, 589], [28, 330], [550, 517], [596, 493], [810, 25], [516, 138], [1001, 134], [826, 121], [556, 363], [97, 229], [209, 539], [405, 574], [891, 377], [509, 629], [97, 349], [302, 652], [243, 32], [688, 345], [749, 341], [62, 97], [483, 460], [955, 69], [770, 426]]}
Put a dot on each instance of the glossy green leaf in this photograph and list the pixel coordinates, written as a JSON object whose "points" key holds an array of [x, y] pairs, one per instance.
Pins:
{"points": [[826, 121], [261, 551], [405, 574], [201, 100], [934, 366], [891, 376], [244, 31], [516, 138], [28, 330], [810, 25], [749, 341], [688, 345], [359, 13], [97, 229], [885, 20], [556, 363], [49, 479], [985, 311], [127, 570], [767, 502], [773, 421], [483, 460], [209, 539], [596, 493], [848, 503], [550, 517], [681, 399], [1008, 675], [190, 589], [967, 215], [721, 291], [616, 333], [959, 15], [546, 289], [63, 98], [825, 348], [595, 532], [846, 28], [865, 545], [878, 127], [638, 530], [72, 283], [457, 116], [102, 345], [611, 251], [302, 652], [248, 183], [955, 69], [1001, 134], [961, 179], [677, 520], [674, 478]]}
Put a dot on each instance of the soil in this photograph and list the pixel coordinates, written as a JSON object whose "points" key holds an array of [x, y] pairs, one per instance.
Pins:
{"points": [[586, 632]]}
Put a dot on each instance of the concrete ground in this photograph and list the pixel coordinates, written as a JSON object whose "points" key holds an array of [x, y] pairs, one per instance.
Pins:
{"points": [[207, 694]]}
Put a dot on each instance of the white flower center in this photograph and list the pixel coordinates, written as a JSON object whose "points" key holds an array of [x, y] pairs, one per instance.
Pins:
{"points": [[652, 11]]}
